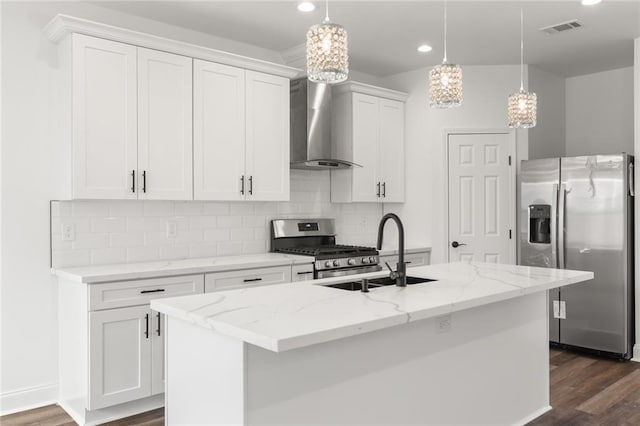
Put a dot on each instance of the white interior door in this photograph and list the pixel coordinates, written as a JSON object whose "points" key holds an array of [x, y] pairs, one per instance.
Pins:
{"points": [[165, 154], [481, 200]]}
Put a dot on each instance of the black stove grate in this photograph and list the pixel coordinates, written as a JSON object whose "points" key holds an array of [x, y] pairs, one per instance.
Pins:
{"points": [[329, 250]]}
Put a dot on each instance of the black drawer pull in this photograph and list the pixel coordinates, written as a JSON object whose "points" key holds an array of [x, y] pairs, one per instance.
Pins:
{"points": [[305, 273], [158, 290], [250, 280]]}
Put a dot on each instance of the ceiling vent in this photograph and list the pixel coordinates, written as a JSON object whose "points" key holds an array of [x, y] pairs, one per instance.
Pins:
{"points": [[561, 27]]}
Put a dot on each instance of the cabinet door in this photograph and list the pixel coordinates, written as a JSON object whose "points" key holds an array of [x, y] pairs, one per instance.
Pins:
{"points": [[104, 119], [165, 153], [157, 353], [267, 127], [218, 131], [392, 159], [365, 147], [119, 356]]}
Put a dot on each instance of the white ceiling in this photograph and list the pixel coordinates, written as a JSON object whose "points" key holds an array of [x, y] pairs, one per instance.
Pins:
{"points": [[383, 35]]}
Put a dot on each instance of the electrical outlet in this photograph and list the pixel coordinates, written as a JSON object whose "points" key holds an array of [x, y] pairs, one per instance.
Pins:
{"points": [[443, 324], [68, 232], [172, 229]]}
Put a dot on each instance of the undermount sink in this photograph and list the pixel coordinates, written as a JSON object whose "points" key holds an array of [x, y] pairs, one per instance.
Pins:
{"points": [[376, 282]]}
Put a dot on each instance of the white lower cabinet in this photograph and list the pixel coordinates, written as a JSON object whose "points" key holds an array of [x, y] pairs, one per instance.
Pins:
{"points": [[412, 259], [248, 277], [120, 355], [302, 272]]}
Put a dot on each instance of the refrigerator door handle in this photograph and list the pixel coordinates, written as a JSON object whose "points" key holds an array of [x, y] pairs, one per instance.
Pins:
{"points": [[562, 195], [632, 189], [553, 230]]}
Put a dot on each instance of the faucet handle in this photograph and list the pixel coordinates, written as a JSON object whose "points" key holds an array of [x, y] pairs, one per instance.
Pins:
{"points": [[392, 274], [389, 267]]}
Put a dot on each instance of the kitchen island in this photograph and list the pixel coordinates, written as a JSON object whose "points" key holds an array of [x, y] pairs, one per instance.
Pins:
{"points": [[468, 348]]}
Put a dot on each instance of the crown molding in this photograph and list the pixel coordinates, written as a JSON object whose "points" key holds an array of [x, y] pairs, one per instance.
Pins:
{"points": [[63, 25], [367, 89]]}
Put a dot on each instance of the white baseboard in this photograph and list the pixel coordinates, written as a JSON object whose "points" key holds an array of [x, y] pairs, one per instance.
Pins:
{"points": [[533, 416], [636, 353], [28, 398]]}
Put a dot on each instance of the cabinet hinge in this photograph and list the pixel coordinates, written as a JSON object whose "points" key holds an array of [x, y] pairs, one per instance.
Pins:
{"points": [[509, 160]]}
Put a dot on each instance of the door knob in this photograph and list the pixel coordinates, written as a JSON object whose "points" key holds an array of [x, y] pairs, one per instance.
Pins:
{"points": [[455, 244]]}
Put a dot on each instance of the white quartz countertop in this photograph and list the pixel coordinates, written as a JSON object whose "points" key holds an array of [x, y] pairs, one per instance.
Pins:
{"points": [[135, 271], [289, 316]]}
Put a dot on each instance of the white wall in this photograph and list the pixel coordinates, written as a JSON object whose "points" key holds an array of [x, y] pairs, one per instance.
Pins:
{"points": [[547, 139], [28, 316], [599, 113], [486, 89]]}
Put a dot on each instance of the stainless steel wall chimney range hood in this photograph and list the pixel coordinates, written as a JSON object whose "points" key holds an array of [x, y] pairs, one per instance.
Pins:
{"points": [[310, 126]]}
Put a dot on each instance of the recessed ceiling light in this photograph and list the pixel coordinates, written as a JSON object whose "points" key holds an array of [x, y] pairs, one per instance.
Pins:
{"points": [[424, 48], [590, 2], [306, 6]]}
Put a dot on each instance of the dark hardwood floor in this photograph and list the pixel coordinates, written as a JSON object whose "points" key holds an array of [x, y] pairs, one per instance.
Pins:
{"points": [[585, 390]]}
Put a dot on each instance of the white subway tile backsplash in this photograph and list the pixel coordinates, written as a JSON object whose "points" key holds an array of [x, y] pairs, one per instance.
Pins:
{"points": [[203, 250], [217, 234], [136, 231], [229, 221], [229, 248], [108, 224], [105, 256]]}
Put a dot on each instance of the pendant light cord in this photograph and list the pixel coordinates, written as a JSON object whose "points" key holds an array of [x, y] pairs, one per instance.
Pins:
{"points": [[326, 17], [521, 51], [444, 60]]}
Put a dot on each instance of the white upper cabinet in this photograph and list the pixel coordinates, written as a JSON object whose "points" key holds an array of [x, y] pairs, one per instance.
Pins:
{"points": [[104, 118], [218, 131], [152, 125], [165, 146], [267, 137], [369, 130], [241, 134]]}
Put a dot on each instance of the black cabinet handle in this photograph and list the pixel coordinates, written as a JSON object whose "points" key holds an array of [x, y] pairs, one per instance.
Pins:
{"points": [[250, 185], [250, 280], [146, 330], [378, 190], [242, 184], [157, 290], [133, 181], [144, 181], [305, 273], [384, 189], [158, 330]]}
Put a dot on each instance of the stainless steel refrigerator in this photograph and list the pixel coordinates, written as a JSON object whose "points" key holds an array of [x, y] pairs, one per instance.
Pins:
{"points": [[577, 213]]}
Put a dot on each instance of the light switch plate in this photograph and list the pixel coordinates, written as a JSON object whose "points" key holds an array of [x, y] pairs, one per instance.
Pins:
{"points": [[556, 309], [563, 310]]}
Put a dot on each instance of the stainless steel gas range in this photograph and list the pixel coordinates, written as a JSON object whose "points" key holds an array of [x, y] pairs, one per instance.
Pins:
{"points": [[317, 238]]}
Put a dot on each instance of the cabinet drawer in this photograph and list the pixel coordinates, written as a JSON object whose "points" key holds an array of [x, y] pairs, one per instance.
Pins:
{"points": [[415, 259], [247, 277], [302, 272], [140, 292]]}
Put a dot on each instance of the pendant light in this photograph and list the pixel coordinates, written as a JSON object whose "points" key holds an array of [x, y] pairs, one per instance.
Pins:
{"points": [[522, 106], [327, 52], [445, 80]]}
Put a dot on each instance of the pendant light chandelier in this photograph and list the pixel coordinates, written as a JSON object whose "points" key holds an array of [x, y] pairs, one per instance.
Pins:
{"points": [[327, 52], [522, 106], [445, 80]]}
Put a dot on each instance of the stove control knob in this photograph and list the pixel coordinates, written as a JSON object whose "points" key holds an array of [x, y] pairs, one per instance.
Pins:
{"points": [[351, 261], [372, 259], [336, 263], [327, 264], [365, 260]]}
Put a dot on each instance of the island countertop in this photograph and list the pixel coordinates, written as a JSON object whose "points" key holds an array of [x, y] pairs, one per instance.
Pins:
{"points": [[290, 316]]}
